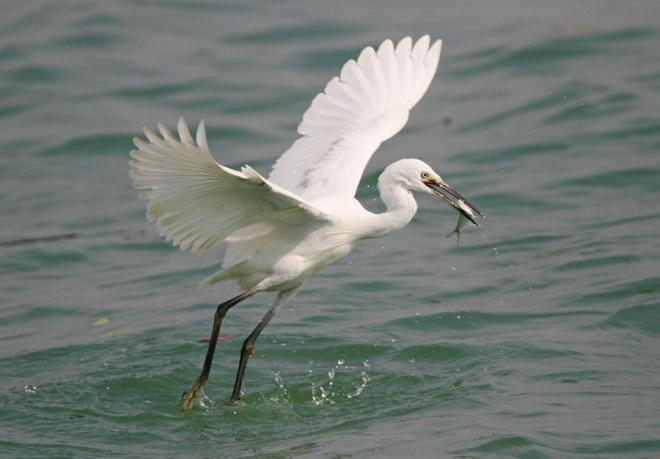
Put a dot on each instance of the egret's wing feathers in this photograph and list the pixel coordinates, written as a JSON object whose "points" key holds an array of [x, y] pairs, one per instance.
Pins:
{"points": [[196, 202], [367, 104]]}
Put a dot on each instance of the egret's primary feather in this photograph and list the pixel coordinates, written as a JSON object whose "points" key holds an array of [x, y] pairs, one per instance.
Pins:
{"points": [[196, 202], [366, 104]]}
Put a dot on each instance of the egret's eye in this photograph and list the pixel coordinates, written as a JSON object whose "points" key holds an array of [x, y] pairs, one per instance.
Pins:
{"points": [[425, 176]]}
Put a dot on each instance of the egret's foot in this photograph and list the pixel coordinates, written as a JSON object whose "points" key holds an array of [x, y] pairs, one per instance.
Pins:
{"points": [[189, 396]]}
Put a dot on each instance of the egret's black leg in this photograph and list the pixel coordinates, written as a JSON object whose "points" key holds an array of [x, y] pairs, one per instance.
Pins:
{"points": [[247, 351], [189, 396], [248, 345]]}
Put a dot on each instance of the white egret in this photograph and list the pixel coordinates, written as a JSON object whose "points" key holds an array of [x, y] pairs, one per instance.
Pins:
{"points": [[304, 216]]}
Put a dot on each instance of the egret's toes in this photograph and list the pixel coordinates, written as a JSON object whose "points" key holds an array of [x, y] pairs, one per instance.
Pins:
{"points": [[190, 395]]}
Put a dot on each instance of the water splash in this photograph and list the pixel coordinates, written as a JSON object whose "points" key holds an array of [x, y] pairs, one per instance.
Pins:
{"points": [[204, 401], [340, 383], [360, 387], [283, 395]]}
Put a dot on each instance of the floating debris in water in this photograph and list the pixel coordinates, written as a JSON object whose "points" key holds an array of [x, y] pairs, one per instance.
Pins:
{"points": [[36, 240], [118, 331], [30, 389], [101, 322]]}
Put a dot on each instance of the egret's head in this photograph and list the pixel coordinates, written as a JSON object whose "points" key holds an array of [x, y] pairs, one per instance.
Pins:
{"points": [[416, 175]]}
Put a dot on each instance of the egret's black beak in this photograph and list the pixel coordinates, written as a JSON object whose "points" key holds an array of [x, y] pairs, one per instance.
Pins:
{"points": [[445, 192]]}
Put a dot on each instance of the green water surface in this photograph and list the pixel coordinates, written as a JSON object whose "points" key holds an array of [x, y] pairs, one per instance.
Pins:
{"points": [[539, 336]]}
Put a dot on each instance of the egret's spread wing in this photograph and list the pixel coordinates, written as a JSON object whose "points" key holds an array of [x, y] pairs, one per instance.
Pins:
{"points": [[198, 203], [368, 103]]}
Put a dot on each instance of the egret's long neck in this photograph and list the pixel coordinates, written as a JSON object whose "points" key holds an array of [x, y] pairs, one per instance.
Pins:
{"points": [[401, 208]]}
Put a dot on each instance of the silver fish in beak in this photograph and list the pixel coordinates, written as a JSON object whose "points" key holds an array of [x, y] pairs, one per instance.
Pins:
{"points": [[460, 224], [461, 204]]}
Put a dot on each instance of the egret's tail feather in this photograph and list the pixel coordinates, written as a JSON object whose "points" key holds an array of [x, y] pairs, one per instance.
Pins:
{"points": [[233, 272]]}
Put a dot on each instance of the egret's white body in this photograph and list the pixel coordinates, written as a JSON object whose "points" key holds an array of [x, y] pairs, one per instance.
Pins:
{"points": [[287, 254], [305, 216]]}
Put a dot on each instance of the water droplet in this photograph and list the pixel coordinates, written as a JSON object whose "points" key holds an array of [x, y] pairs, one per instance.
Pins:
{"points": [[331, 374], [30, 389], [284, 393], [458, 317]]}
